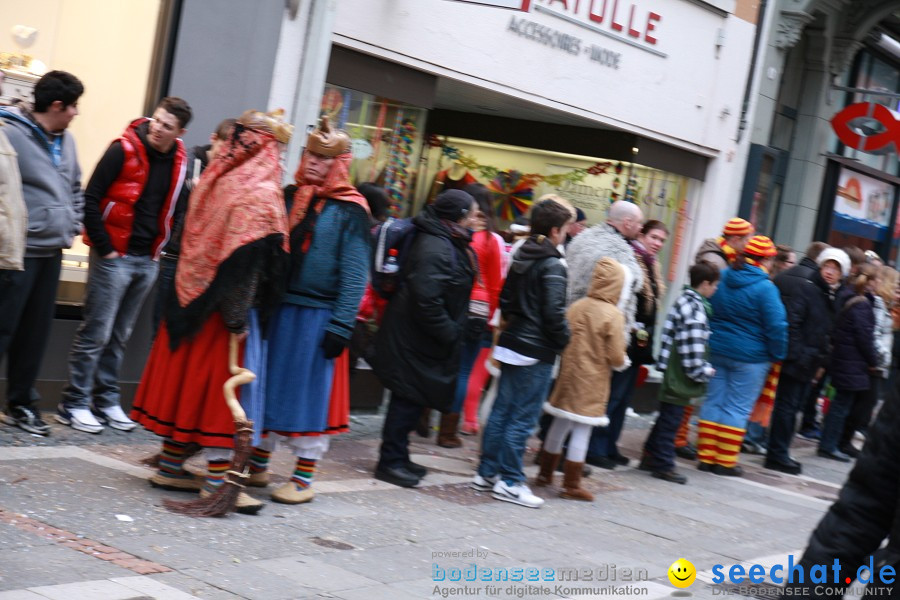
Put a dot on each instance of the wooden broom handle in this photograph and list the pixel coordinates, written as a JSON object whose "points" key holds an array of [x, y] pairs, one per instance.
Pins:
{"points": [[239, 376]]}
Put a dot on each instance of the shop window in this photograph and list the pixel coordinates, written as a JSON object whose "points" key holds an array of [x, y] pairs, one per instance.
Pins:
{"points": [[763, 183], [387, 141], [862, 212], [77, 37], [518, 176]]}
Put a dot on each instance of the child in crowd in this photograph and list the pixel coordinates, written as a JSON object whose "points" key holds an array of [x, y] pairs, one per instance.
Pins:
{"points": [[683, 359], [581, 392], [533, 309]]}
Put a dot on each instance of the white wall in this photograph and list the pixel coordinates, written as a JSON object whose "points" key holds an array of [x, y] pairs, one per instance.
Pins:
{"points": [[678, 99]]}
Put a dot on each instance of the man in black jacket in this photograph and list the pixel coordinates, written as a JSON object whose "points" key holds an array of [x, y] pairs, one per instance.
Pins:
{"points": [[535, 331], [806, 291], [417, 350]]}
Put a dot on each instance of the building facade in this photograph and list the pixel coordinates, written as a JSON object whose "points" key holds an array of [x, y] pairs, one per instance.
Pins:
{"points": [[594, 100], [823, 159]]}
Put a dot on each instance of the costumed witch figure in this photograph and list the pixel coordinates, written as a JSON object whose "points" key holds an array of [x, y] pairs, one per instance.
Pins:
{"points": [[307, 364], [234, 256]]}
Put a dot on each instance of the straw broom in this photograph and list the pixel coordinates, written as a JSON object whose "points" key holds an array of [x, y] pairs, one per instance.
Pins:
{"points": [[222, 501]]}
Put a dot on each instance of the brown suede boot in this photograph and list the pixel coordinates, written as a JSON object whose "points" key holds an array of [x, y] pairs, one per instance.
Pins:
{"points": [[572, 489], [447, 437], [548, 464]]}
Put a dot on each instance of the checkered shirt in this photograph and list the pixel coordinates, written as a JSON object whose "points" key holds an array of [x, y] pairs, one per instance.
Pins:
{"points": [[688, 326]]}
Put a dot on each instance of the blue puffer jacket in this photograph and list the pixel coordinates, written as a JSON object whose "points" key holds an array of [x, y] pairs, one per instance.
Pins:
{"points": [[749, 323]]}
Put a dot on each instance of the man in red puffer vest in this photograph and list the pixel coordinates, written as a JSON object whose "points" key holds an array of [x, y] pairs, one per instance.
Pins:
{"points": [[129, 203]]}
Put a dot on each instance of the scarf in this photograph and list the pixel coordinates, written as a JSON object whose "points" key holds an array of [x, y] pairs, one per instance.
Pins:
{"points": [[650, 292], [730, 253], [237, 201], [302, 221], [755, 263], [464, 238]]}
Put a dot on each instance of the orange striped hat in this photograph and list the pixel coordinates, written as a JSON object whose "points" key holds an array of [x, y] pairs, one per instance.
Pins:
{"points": [[737, 226], [760, 246]]}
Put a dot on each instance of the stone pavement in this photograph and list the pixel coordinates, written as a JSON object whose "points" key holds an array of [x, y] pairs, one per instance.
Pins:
{"points": [[79, 521]]}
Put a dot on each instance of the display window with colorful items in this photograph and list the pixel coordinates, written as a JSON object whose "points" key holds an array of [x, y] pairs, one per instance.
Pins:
{"points": [[518, 176], [862, 212], [386, 141]]}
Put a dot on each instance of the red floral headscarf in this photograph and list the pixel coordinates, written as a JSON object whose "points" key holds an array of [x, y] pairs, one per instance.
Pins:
{"points": [[336, 187], [237, 201]]}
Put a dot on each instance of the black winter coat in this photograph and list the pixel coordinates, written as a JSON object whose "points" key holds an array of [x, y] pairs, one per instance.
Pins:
{"points": [[533, 302], [810, 313], [417, 349], [867, 511], [852, 343]]}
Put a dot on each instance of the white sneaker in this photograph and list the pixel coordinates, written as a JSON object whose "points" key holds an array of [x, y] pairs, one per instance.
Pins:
{"points": [[116, 418], [483, 484], [80, 419], [517, 494]]}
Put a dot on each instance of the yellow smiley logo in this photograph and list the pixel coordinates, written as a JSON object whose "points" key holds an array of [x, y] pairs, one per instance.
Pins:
{"points": [[682, 573]]}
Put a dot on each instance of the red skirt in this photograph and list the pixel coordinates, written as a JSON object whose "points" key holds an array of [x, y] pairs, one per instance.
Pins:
{"points": [[180, 394]]}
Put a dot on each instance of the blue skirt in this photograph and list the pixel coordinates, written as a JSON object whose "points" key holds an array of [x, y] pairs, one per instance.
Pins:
{"points": [[253, 395], [298, 376]]}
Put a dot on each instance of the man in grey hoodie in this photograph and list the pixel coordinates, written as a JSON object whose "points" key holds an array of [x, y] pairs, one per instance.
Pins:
{"points": [[51, 186]]}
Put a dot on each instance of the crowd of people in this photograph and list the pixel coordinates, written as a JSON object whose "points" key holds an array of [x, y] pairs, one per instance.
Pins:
{"points": [[561, 318]]}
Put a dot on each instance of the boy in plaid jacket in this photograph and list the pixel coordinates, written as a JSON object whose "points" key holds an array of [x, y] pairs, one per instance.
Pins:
{"points": [[685, 337]]}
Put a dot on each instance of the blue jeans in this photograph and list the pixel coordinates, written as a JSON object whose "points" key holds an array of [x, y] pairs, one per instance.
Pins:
{"points": [[116, 290], [604, 439], [733, 391], [756, 434], [838, 410], [520, 397], [470, 350]]}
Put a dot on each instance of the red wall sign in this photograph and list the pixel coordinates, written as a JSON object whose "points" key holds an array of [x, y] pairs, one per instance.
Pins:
{"points": [[884, 123], [623, 17]]}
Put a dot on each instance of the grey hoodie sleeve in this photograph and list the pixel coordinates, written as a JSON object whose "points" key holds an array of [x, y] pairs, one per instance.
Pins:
{"points": [[77, 190]]}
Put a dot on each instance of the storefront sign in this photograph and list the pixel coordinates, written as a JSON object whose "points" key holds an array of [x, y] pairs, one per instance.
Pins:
{"points": [[862, 205], [618, 19], [851, 123], [563, 41]]}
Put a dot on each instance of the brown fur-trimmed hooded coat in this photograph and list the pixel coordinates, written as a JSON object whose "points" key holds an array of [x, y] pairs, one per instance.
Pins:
{"points": [[596, 347]]}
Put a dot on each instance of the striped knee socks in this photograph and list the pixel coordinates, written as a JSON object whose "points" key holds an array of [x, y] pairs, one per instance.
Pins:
{"points": [[215, 475], [259, 460], [303, 473], [171, 458], [729, 444], [719, 444], [707, 442]]}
